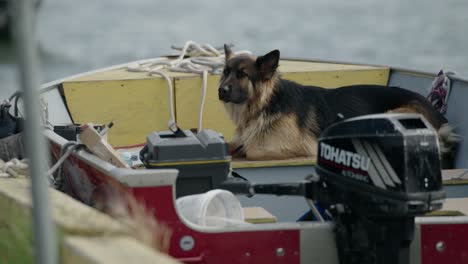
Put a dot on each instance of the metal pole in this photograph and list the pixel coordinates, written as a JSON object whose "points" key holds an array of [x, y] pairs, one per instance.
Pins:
{"points": [[24, 33]]}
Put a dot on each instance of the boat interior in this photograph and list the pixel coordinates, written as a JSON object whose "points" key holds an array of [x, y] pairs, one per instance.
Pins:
{"points": [[138, 104]]}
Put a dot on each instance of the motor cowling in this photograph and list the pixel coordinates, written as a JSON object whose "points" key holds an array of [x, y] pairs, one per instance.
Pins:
{"points": [[386, 164], [375, 174]]}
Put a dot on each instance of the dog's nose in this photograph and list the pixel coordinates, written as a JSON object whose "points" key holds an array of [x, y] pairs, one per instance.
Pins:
{"points": [[224, 92]]}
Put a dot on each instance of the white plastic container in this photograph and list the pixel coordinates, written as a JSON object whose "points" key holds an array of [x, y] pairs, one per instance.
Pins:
{"points": [[215, 208]]}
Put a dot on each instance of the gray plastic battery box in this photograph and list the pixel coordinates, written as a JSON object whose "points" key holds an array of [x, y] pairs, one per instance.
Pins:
{"points": [[202, 159]]}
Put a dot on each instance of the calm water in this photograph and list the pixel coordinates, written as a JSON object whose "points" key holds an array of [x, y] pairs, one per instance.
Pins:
{"points": [[77, 36]]}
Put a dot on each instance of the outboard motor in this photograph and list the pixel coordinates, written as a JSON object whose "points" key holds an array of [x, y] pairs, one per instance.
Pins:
{"points": [[376, 173]]}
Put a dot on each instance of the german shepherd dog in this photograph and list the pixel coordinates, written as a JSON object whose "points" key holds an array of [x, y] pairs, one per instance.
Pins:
{"points": [[279, 119]]}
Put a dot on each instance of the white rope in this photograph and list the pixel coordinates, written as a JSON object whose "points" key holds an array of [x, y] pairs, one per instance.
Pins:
{"points": [[203, 59], [62, 159], [212, 50], [14, 168], [172, 122], [202, 100], [57, 181], [19, 168]]}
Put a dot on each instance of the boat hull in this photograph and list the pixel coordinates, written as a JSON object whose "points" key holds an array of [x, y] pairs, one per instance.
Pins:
{"points": [[90, 180]]}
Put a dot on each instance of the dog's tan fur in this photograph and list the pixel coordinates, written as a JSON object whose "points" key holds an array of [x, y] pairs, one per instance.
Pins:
{"points": [[277, 143]]}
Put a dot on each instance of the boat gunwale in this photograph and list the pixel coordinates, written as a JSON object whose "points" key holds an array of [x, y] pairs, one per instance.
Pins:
{"points": [[390, 67], [52, 84], [136, 178]]}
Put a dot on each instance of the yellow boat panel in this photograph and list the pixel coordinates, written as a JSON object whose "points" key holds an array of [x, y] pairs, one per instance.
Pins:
{"points": [[243, 163], [314, 66], [334, 79], [138, 103], [285, 66], [137, 107], [123, 74]]}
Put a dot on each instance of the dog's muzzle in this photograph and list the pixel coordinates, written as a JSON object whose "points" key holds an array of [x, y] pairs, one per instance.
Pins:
{"points": [[224, 92]]}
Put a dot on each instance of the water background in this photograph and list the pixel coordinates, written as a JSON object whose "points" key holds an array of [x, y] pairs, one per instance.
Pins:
{"points": [[78, 36]]}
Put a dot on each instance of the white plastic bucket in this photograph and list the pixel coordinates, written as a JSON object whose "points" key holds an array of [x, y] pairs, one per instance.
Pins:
{"points": [[214, 208]]}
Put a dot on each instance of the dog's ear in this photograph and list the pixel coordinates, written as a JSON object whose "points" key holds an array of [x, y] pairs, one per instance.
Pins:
{"points": [[227, 52], [268, 63]]}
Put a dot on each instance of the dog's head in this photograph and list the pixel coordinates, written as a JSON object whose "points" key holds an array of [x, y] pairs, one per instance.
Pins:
{"points": [[243, 73]]}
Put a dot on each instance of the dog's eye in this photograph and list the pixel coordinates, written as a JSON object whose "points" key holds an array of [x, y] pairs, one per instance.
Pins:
{"points": [[241, 74], [226, 71]]}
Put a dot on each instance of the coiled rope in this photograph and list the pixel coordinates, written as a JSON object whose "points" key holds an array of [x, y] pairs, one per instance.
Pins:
{"points": [[14, 168], [193, 58]]}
